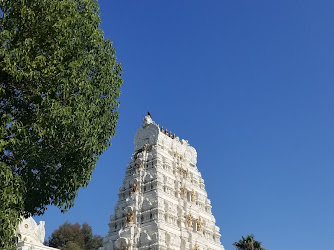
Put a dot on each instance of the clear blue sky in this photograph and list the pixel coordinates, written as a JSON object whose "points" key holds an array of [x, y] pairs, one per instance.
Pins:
{"points": [[250, 85]]}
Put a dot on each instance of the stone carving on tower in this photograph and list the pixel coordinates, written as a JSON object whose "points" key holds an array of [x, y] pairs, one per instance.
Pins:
{"points": [[162, 204]]}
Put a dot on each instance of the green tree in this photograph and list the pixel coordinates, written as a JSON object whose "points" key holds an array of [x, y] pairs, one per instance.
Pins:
{"points": [[59, 88], [248, 243], [73, 237], [11, 205]]}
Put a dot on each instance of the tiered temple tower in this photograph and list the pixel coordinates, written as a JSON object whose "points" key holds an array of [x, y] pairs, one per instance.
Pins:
{"points": [[162, 204]]}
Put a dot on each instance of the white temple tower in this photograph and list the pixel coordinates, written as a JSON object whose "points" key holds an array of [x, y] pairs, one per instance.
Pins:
{"points": [[162, 203]]}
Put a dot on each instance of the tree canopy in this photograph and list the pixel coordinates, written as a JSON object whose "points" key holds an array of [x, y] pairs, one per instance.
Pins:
{"points": [[59, 88], [248, 243], [75, 237]]}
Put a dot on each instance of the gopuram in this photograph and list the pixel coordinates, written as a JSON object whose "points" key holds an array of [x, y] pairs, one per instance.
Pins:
{"points": [[162, 204]]}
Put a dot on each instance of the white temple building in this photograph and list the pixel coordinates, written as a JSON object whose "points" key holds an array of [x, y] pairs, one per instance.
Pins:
{"points": [[162, 204], [31, 236]]}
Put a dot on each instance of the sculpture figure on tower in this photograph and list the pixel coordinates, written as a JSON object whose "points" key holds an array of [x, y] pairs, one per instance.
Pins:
{"points": [[190, 220], [199, 224]]}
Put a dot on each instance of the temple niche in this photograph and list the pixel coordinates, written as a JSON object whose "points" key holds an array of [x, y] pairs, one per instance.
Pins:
{"points": [[162, 203]]}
